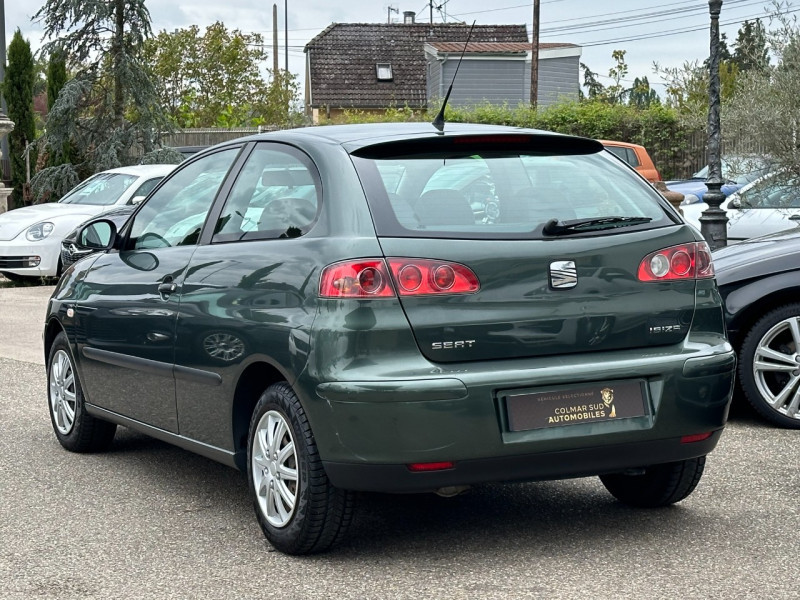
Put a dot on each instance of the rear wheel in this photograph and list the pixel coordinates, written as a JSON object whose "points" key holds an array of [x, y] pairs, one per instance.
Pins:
{"points": [[769, 366], [298, 509], [75, 429], [659, 485]]}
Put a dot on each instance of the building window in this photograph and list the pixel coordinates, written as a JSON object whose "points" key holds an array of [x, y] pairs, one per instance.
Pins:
{"points": [[384, 71]]}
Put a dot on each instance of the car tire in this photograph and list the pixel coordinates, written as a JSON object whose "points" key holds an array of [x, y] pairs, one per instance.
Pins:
{"points": [[76, 430], [298, 509], [659, 485], [769, 366]]}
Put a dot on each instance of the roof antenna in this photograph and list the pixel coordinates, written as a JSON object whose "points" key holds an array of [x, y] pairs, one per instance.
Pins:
{"points": [[438, 122]]}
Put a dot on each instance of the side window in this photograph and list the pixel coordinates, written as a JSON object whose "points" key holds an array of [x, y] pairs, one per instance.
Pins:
{"points": [[276, 195], [175, 214], [619, 151], [633, 160], [145, 188]]}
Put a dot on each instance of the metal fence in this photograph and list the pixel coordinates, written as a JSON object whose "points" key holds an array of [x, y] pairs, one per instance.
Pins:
{"points": [[681, 160]]}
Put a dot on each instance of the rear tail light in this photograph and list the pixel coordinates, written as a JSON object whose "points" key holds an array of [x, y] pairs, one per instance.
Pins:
{"points": [[423, 277], [356, 279], [686, 261], [369, 278]]}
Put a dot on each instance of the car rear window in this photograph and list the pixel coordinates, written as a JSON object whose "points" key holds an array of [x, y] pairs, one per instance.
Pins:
{"points": [[487, 193]]}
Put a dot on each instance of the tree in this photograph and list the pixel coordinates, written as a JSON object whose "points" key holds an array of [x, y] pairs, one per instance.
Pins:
{"points": [[109, 111], [56, 79], [18, 91], [765, 112], [641, 95], [751, 51], [615, 92], [56, 76], [594, 88], [215, 78], [687, 89]]}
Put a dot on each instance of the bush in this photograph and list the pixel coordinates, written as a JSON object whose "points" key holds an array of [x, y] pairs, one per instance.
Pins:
{"points": [[657, 128]]}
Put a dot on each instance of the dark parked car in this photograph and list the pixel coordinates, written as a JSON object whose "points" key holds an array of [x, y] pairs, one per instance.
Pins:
{"points": [[327, 310], [759, 280]]}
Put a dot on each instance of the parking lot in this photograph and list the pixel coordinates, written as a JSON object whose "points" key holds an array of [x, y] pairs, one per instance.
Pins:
{"points": [[148, 520]]}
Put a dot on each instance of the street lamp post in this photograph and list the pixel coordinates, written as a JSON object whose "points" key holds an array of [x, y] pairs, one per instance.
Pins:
{"points": [[714, 221]]}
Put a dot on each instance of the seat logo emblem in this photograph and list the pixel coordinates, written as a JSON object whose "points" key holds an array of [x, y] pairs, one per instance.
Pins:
{"points": [[563, 274]]}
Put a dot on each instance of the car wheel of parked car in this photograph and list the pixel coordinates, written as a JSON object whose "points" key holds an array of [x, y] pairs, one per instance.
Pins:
{"points": [[659, 485], [298, 509], [75, 429], [769, 366]]}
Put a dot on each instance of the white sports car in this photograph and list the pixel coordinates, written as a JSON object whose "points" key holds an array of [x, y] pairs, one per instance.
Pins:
{"points": [[30, 237]]}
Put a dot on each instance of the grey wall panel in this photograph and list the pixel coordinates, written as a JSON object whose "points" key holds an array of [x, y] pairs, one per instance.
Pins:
{"points": [[503, 81]]}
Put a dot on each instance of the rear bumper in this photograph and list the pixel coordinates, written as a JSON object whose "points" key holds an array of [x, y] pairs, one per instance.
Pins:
{"points": [[375, 427], [582, 462]]}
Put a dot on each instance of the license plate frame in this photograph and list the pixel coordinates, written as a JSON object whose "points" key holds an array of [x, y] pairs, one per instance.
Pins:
{"points": [[562, 406]]}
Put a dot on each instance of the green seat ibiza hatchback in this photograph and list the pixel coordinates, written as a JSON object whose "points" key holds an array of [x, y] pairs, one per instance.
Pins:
{"points": [[392, 308]]}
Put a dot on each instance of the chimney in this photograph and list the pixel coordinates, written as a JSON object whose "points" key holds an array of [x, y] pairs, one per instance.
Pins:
{"points": [[408, 17]]}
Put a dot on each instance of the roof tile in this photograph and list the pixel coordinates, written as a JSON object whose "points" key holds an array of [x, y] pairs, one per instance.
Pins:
{"points": [[343, 58]]}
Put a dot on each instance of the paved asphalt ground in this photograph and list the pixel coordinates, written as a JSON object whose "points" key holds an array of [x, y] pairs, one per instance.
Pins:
{"points": [[147, 520]]}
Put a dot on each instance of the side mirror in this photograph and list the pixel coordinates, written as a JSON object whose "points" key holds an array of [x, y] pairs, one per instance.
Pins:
{"points": [[97, 235], [136, 200], [736, 202]]}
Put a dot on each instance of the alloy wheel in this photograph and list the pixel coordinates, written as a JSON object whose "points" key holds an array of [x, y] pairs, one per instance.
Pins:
{"points": [[776, 367], [62, 392], [274, 468]]}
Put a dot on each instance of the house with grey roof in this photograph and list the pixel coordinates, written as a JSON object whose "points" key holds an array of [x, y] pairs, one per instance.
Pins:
{"points": [[375, 66]]}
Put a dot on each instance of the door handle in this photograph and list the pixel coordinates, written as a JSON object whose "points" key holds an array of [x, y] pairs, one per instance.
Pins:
{"points": [[794, 218], [167, 288]]}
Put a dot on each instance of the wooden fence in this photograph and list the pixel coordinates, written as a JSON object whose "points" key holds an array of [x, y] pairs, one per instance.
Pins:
{"points": [[210, 136]]}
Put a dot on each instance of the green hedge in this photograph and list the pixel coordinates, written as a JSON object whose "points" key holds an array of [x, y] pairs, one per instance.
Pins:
{"points": [[658, 128]]}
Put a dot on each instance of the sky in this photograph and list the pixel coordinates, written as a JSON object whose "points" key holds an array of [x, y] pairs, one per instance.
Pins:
{"points": [[669, 33]]}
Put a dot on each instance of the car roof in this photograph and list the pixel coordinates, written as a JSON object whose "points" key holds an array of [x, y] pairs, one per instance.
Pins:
{"points": [[367, 134], [620, 144], [143, 170]]}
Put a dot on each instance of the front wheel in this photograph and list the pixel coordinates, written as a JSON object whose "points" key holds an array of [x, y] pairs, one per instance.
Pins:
{"points": [[298, 509], [76, 430], [769, 366], [659, 485]]}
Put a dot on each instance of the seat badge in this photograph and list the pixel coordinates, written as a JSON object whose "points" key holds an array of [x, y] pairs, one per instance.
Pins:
{"points": [[563, 274]]}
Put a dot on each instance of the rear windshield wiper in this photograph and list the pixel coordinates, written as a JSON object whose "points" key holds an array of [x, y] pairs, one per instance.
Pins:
{"points": [[556, 227]]}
